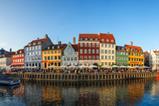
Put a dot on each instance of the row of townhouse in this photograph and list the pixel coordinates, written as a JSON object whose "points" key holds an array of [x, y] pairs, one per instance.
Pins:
{"points": [[152, 59], [91, 49]]}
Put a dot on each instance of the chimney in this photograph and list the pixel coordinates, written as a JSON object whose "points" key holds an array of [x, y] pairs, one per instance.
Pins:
{"points": [[46, 35], [59, 42], [74, 40], [131, 43], [10, 50]]}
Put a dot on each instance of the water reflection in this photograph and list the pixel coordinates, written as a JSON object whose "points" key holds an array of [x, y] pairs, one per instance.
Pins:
{"points": [[114, 93]]}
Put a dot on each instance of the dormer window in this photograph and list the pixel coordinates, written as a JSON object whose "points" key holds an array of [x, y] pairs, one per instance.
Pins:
{"points": [[107, 40], [52, 47], [39, 42], [112, 41]]}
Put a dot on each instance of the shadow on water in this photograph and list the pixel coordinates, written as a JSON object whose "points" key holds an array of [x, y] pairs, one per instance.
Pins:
{"points": [[99, 93]]}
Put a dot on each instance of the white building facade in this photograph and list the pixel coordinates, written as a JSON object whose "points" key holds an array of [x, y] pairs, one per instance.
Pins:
{"points": [[154, 59], [107, 50], [33, 52], [70, 55], [5, 62]]}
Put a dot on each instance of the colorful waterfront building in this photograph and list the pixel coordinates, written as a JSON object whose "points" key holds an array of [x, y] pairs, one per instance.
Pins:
{"points": [[33, 52], [136, 55], [52, 56], [70, 56], [97, 49], [154, 59], [107, 49], [5, 59], [18, 59], [88, 45], [146, 59], [122, 56]]}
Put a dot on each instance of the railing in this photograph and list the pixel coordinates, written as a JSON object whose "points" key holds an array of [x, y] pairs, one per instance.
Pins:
{"points": [[85, 76]]}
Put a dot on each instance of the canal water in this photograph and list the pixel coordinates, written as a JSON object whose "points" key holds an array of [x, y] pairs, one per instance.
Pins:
{"points": [[113, 93]]}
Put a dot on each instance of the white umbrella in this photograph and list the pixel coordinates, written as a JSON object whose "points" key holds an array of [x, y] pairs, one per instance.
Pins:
{"points": [[146, 67], [92, 66], [130, 67], [123, 66], [115, 66]]}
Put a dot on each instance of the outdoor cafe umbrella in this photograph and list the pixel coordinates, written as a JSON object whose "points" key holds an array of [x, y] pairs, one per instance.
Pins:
{"points": [[123, 66], [92, 66], [115, 66]]}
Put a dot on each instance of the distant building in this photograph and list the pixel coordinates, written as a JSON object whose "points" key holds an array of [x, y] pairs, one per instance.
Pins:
{"points": [[33, 52], [154, 59], [70, 55], [136, 55], [121, 56], [52, 56], [18, 59], [5, 59], [146, 59], [88, 49]]}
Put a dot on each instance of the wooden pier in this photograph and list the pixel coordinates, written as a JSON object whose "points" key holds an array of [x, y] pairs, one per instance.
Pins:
{"points": [[85, 76]]}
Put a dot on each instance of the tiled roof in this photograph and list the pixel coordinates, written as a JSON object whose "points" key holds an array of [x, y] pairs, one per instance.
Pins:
{"points": [[75, 46], [156, 51], [39, 40], [136, 48], [20, 51], [120, 49], [88, 35], [106, 38], [101, 37], [56, 46]]}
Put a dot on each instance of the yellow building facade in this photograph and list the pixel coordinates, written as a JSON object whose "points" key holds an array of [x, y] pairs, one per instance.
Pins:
{"points": [[52, 56], [136, 55]]}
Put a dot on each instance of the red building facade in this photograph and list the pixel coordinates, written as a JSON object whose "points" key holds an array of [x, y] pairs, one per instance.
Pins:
{"points": [[88, 49], [18, 59]]}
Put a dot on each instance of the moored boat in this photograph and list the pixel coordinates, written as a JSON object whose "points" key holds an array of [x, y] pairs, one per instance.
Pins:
{"points": [[5, 80]]}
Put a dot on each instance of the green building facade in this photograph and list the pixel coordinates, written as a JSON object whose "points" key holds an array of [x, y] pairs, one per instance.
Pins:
{"points": [[121, 56]]}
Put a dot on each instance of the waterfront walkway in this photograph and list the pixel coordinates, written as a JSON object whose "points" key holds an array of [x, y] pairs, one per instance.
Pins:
{"points": [[85, 76]]}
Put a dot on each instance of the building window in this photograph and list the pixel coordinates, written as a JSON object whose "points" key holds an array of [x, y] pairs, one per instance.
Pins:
{"points": [[89, 44], [112, 57], [81, 44], [81, 51], [89, 51], [112, 51], [106, 57], [93, 51], [85, 51], [97, 51], [105, 51]]}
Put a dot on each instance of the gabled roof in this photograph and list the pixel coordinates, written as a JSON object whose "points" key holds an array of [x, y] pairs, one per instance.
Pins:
{"points": [[75, 46], [89, 35], [101, 37], [134, 48], [120, 49], [39, 40], [156, 51], [106, 38], [20, 51], [56, 46]]}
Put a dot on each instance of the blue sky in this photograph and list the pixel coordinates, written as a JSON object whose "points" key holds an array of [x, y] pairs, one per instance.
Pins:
{"points": [[129, 20]]}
